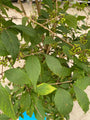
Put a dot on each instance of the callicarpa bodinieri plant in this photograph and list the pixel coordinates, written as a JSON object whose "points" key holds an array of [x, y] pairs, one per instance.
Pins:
{"points": [[55, 50]]}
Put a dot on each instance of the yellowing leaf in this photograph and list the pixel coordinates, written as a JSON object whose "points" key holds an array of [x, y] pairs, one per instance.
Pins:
{"points": [[45, 89]]}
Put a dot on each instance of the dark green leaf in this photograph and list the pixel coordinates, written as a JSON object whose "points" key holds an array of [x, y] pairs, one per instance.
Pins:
{"points": [[82, 98], [63, 101], [81, 17], [63, 29], [24, 20], [25, 101], [33, 69], [80, 64], [5, 103], [83, 82], [17, 76], [3, 51], [39, 110], [28, 30], [54, 65], [10, 42], [71, 21], [49, 40], [49, 3], [10, 5]]}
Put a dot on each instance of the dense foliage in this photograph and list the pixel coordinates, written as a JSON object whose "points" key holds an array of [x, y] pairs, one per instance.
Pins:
{"points": [[56, 70]]}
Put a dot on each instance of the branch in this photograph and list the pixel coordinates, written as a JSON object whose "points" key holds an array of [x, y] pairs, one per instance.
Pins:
{"points": [[22, 7], [51, 31], [61, 83], [38, 6]]}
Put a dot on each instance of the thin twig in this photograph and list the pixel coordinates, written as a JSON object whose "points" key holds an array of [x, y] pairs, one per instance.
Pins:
{"points": [[61, 83], [38, 6], [22, 7]]}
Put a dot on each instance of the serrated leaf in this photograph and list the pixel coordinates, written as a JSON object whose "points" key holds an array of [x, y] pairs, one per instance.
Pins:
{"points": [[83, 82], [54, 65], [17, 76], [82, 98], [33, 69], [5, 103], [63, 101], [71, 21], [25, 101], [10, 42], [45, 89]]}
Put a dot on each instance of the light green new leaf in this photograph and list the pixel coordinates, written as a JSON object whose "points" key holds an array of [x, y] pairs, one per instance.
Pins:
{"points": [[54, 65], [25, 101], [82, 98], [63, 101], [71, 21], [82, 83], [17, 76], [45, 89], [10, 42], [5, 103], [33, 69]]}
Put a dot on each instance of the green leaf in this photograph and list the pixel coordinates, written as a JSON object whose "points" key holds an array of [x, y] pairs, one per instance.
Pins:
{"points": [[45, 89], [10, 5], [49, 3], [33, 69], [82, 98], [63, 29], [10, 42], [54, 65], [65, 71], [88, 42], [80, 64], [63, 101], [17, 76], [83, 82], [81, 17], [4, 117], [39, 110], [25, 101], [5, 103], [24, 20], [49, 40], [3, 51], [71, 21], [28, 30]]}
